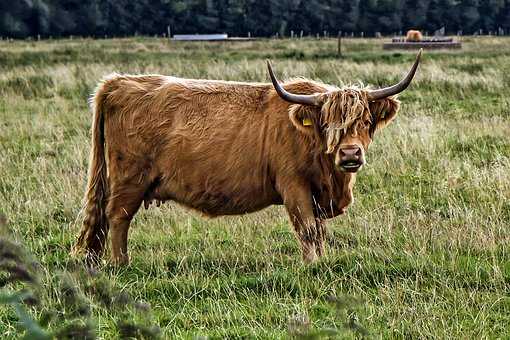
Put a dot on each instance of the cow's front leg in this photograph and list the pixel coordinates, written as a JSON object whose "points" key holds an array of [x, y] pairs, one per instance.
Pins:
{"points": [[299, 205]]}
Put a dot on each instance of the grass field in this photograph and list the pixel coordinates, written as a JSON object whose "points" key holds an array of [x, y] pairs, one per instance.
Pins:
{"points": [[422, 253]]}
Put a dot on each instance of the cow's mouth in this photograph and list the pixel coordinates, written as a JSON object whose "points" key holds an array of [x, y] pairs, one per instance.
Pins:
{"points": [[351, 166]]}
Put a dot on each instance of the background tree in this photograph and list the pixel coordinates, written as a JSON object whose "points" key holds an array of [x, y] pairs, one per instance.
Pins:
{"points": [[503, 16], [415, 14], [25, 18], [16, 18], [310, 16], [389, 16], [367, 16], [488, 10], [469, 15], [435, 13]]}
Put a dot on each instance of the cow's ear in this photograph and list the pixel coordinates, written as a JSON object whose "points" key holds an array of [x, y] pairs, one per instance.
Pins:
{"points": [[305, 118], [383, 112]]}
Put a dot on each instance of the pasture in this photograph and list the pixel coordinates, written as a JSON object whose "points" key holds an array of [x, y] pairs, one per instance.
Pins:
{"points": [[422, 253]]}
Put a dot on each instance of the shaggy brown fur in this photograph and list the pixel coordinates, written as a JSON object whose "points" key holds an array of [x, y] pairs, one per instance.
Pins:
{"points": [[221, 148]]}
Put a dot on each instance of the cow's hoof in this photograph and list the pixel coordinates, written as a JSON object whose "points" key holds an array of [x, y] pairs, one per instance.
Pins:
{"points": [[120, 261], [310, 257], [90, 259]]}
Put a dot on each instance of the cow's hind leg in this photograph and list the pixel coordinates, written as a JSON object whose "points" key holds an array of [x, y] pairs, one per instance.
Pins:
{"points": [[122, 205], [129, 182]]}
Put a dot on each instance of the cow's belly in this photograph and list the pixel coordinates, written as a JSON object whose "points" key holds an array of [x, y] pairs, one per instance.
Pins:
{"points": [[214, 170], [220, 204], [215, 197]]}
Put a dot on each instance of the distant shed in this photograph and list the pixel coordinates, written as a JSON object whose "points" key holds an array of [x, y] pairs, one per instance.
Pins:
{"points": [[200, 37]]}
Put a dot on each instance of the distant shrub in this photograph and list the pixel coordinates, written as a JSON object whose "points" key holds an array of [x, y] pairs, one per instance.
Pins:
{"points": [[294, 54]]}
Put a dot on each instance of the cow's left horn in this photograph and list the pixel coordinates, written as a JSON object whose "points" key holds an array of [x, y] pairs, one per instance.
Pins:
{"points": [[306, 99], [397, 88]]}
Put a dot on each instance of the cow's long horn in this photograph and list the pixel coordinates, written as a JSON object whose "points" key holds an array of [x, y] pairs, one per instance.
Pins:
{"points": [[306, 99], [397, 88]]}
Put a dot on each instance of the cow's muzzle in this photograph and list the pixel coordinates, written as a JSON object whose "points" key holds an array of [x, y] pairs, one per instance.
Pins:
{"points": [[350, 158]]}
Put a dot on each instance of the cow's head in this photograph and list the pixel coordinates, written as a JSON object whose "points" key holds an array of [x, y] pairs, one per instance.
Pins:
{"points": [[345, 119]]}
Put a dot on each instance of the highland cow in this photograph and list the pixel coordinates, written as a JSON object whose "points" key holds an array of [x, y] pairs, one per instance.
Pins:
{"points": [[227, 148]]}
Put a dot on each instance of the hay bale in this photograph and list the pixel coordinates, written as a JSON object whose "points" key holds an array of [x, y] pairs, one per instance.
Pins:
{"points": [[414, 36]]}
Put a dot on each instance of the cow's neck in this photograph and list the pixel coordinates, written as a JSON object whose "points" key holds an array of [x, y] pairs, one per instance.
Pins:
{"points": [[343, 193], [336, 189]]}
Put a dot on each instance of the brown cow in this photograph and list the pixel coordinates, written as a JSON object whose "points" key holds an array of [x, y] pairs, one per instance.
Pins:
{"points": [[226, 148]]}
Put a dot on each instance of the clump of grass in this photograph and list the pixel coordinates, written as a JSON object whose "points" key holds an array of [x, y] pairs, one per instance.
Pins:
{"points": [[484, 150], [470, 68], [34, 86], [65, 311], [346, 314], [19, 271]]}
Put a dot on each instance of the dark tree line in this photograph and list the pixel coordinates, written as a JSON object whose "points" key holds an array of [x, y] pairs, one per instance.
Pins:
{"points": [[24, 18]]}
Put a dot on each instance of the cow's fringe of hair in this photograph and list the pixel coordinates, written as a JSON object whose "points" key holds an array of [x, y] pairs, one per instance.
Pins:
{"points": [[346, 109]]}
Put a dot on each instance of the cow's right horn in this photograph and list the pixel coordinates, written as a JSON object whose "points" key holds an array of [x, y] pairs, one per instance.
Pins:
{"points": [[399, 87], [305, 99]]}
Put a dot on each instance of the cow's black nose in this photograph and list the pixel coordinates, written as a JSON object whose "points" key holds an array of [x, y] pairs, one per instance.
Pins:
{"points": [[350, 158], [351, 152]]}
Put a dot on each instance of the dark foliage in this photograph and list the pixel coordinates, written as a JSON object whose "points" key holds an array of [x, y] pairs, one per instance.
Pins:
{"points": [[97, 18]]}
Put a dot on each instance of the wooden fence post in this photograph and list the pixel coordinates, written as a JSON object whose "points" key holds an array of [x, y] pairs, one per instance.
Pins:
{"points": [[339, 47]]}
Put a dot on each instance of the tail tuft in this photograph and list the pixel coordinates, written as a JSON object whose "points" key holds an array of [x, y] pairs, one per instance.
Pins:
{"points": [[94, 230]]}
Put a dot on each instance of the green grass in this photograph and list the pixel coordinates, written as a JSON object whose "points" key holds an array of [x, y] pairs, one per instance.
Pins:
{"points": [[424, 249]]}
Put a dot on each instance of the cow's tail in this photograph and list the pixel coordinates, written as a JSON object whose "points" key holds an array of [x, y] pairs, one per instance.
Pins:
{"points": [[94, 230]]}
